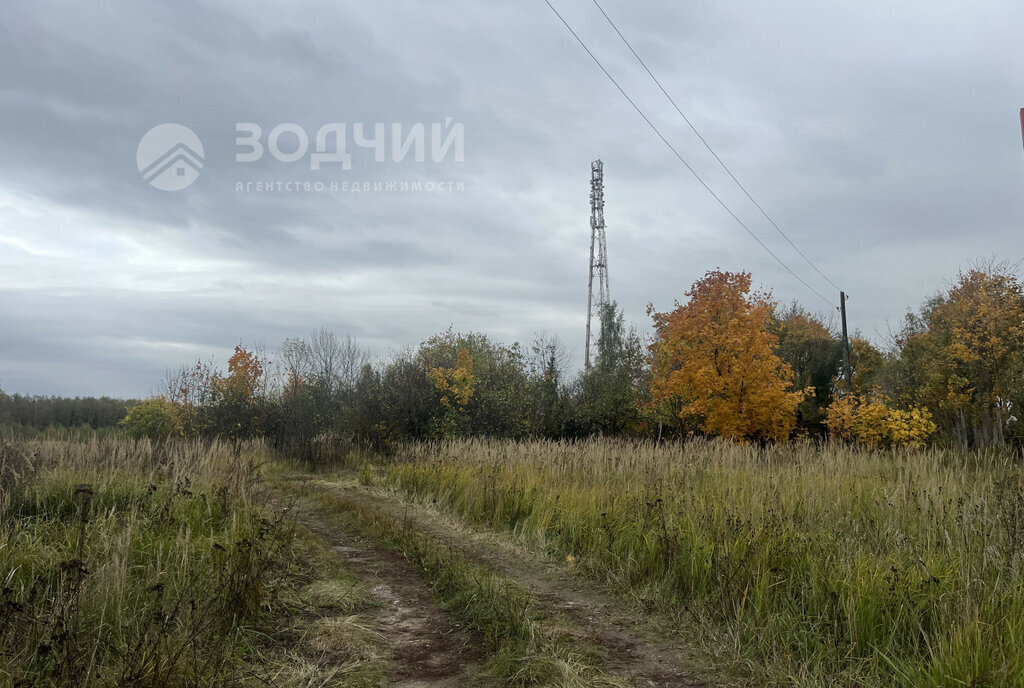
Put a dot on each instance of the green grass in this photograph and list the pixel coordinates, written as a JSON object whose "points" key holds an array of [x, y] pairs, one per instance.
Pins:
{"points": [[128, 564], [828, 567]]}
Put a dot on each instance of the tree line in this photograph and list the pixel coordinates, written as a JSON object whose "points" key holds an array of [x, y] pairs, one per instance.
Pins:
{"points": [[40, 412], [726, 360]]}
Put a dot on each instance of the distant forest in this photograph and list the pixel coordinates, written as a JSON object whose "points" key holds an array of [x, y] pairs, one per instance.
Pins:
{"points": [[41, 412]]}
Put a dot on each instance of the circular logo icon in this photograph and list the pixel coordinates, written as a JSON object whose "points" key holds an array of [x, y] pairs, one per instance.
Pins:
{"points": [[170, 156]]}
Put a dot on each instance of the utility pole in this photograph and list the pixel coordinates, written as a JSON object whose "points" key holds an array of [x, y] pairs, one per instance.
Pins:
{"points": [[846, 344], [599, 262]]}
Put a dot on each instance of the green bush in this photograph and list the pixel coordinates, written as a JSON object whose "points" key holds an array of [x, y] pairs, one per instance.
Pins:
{"points": [[155, 419]]}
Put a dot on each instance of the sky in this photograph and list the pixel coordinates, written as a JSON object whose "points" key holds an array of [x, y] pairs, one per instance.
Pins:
{"points": [[883, 138]]}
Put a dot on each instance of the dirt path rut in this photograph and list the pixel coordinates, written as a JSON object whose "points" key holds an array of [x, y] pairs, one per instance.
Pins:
{"points": [[429, 649], [631, 646]]}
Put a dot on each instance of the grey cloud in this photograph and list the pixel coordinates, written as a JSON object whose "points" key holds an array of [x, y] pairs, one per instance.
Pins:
{"points": [[883, 140]]}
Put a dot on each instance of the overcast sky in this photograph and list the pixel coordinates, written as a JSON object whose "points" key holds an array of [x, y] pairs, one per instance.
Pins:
{"points": [[882, 137]]}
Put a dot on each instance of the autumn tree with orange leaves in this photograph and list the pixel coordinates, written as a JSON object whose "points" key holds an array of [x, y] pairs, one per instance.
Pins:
{"points": [[714, 364], [235, 400]]}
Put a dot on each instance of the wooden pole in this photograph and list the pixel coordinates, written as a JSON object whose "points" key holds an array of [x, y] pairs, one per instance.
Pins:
{"points": [[846, 344], [1022, 124]]}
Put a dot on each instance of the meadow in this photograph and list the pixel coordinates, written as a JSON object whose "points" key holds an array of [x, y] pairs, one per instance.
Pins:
{"points": [[132, 563], [826, 566]]}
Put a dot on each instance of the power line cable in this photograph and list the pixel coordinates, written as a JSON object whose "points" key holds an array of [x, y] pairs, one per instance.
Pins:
{"points": [[711, 150], [683, 160]]}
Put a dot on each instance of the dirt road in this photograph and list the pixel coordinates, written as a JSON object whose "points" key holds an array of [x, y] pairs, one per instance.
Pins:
{"points": [[428, 648]]}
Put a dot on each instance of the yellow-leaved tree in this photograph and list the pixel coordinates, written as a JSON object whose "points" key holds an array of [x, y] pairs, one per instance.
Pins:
{"points": [[456, 388], [871, 422], [714, 365], [966, 352]]}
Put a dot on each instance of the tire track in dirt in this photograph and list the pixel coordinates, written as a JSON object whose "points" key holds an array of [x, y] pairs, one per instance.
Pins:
{"points": [[630, 646], [429, 649]]}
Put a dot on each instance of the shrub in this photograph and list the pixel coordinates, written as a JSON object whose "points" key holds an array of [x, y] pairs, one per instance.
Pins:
{"points": [[156, 419], [872, 423]]}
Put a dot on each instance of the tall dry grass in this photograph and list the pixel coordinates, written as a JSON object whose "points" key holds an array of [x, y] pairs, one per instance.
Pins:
{"points": [[828, 566], [124, 563]]}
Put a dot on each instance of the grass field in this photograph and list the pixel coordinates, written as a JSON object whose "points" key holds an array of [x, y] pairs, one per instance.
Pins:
{"points": [[827, 567], [509, 564]]}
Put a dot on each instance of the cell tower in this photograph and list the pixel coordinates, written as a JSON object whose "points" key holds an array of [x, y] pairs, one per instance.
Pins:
{"points": [[598, 257]]}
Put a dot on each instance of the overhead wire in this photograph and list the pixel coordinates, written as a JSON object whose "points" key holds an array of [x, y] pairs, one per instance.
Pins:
{"points": [[678, 155], [712, 150]]}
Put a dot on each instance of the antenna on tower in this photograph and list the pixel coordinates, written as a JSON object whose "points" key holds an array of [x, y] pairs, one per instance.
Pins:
{"points": [[598, 258]]}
